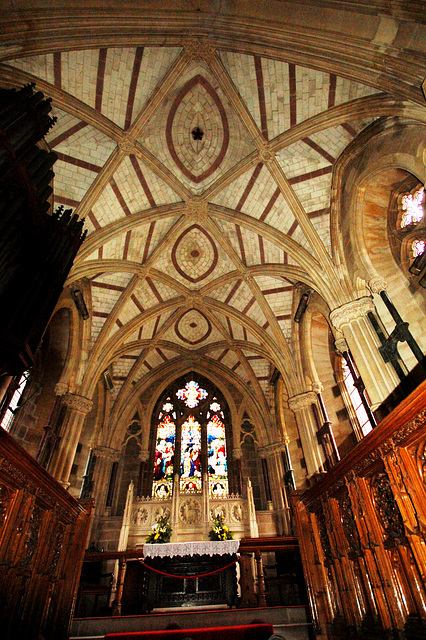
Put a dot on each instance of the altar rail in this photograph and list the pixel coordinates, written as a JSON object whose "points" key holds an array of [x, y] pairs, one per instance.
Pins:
{"points": [[362, 533], [253, 588], [43, 532]]}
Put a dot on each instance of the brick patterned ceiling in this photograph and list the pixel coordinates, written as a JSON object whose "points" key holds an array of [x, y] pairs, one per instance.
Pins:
{"points": [[196, 240]]}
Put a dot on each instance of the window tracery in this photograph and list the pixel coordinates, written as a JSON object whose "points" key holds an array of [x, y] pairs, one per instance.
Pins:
{"points": [[407, 227], [191, 441]]}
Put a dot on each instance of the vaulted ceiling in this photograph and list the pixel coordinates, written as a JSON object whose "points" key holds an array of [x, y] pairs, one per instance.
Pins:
{"points": [[203, 168]]}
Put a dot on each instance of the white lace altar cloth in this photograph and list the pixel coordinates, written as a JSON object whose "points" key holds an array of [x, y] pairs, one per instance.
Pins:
{"points": [[209, 548]]}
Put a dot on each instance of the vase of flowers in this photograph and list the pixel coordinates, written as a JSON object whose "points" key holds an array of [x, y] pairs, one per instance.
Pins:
{"points": [[219, 530], [161, 531]]}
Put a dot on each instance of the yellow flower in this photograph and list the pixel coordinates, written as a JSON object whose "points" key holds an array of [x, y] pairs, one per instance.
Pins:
{"points": [[157, 535]]}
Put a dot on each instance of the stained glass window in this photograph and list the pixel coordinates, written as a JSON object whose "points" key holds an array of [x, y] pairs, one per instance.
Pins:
{"points": [[216, 454], [361, 414], [191, 394], [418, 247], [412, 207], [190, 458], [202, 437], [164, 456], [13, 405]]}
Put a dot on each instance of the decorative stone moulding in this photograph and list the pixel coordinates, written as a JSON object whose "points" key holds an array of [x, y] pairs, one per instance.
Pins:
{"points": [[127, 145], [78, 403], [197, 49], [302, 401], [270, 449], [61, 388], [317, 386], [351, 311], [266, 156], [106, 453], [377, 284], [341, 345]]}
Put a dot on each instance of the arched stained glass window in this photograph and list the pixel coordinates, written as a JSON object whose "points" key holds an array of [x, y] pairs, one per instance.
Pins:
{"points": [[164, 452], [216, 445], [191, 441], [412, 207], [190, 456]]}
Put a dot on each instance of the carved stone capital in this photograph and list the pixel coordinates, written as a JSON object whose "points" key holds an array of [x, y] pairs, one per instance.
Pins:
{"points": [[341, 345], [237, 454], [199, 49], [144, 455], [317, 386], [78, 403], [302, 400], [377, 284], [61, 388], [106, 453], [350, 311]]}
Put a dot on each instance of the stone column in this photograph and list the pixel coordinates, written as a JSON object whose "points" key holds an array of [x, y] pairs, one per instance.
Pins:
{"points": [[301, 405], [105, 458], [141, 486], [62, 460], [351, 320], [237, 454], [272, 456]]}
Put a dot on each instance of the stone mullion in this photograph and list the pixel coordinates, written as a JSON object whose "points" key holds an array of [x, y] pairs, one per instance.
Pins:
{"points": [[276, 474], [380, 570], [351, 320]]}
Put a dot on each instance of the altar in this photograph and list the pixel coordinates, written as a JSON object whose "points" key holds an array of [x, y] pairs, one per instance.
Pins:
{"points": [[184, 574]]}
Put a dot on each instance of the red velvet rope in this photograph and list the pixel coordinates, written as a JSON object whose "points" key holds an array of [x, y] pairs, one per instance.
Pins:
{"points": [[201, 575]]}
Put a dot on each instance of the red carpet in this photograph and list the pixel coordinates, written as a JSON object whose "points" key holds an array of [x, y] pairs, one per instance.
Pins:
{"points": [[241, 632]]}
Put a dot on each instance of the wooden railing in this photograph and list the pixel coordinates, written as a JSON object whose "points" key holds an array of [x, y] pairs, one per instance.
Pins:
{"points": [[362, 532], [43, 533]]}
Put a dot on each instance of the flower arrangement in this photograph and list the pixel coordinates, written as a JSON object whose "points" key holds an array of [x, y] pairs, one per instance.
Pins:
{"points": [[219, 530], [161, 531]]}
